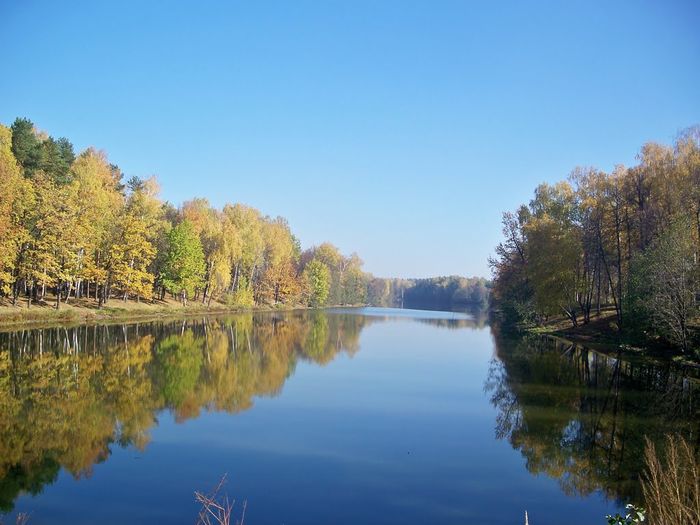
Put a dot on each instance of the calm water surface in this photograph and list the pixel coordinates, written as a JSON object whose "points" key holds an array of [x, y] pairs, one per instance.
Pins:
{"points": [[346, 416]]}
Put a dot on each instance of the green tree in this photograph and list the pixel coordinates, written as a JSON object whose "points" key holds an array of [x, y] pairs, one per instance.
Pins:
{"points": [[57, 158], [317, 277], [179, 361], [184, 269], [26, 146], [664, 284], [208, 224]]}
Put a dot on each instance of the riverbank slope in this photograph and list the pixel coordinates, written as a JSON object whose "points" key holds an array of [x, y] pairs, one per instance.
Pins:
{"points": [[602, 333], [86, 310]]}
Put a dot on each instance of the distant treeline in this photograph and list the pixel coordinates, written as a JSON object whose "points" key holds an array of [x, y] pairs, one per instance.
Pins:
{"points": [[436, 292], [627, 240], [72, 226]]}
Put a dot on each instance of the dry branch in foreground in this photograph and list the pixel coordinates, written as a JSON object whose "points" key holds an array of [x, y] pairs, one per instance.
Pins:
{"points": [[671, 483], [217, 508]]}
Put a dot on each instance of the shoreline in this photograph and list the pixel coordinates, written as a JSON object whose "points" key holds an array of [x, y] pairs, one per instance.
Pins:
{"points": [[601, 334], [609, 343], [45, 315], [596, 335]]}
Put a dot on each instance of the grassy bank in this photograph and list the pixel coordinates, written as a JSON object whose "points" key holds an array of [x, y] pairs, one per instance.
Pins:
{"points": [[86, 311], [602, 329]]}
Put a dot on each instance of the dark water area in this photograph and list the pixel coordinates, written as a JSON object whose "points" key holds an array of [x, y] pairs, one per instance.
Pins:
{"points": [[346, 416]]}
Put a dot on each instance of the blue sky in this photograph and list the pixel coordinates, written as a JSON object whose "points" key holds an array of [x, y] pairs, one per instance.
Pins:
{"points": [[400, 130]]}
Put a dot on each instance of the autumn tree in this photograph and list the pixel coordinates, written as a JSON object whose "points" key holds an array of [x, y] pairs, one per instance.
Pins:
{"points": [[553, 245], [13, 202], [132, 250], [279, 280], [99, 202], [354, 281], [248, 247], [512, 292]]}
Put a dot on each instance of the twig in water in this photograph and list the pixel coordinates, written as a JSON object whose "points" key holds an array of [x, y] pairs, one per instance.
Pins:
{"points": [[216, 508]]}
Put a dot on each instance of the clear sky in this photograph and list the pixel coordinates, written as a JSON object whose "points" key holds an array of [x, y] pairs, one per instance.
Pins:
{"points": [[400, 130]]}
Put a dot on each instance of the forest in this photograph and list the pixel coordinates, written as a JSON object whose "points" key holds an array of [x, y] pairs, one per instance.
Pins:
{"points": [[622, 247], [432, 293], [73, 227]]}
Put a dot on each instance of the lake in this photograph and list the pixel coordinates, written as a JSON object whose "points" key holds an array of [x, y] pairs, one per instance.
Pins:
{"points": [[346, 416]]}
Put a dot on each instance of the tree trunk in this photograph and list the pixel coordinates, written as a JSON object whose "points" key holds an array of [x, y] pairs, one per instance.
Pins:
{"points": [[619, 271], [598, 292], [235, 278], [15, 293], [571, 314]]}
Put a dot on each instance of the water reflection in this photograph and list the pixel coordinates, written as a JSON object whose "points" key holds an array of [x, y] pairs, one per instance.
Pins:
{"points": [[71, 396], [475, 318], [67, 395], [580, 416]]}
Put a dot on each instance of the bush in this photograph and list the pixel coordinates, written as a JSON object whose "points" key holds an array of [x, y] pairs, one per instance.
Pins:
{"points": [[242, 298]]}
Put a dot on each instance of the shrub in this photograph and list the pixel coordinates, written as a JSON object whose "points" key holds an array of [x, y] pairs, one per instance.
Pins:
{"points": [[241, 298], [671, 483]]}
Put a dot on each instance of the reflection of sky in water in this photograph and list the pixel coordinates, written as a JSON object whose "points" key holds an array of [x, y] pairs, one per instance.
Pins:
{"points": [[405, 313]]}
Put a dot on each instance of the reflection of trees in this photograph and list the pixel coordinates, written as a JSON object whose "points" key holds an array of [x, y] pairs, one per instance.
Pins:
{"points": [[456, 324], [68, 394], [176, 367], [581, 416], [316, 346], [475, 318]]}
